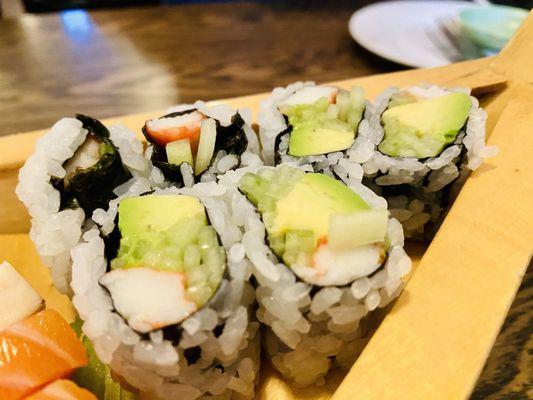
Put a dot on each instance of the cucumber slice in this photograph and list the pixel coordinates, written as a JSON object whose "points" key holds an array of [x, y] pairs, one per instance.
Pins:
{"points": [[299, 247], [347, 231], [179, 152], [277, 244], [333, 111], [357, 97], [254, 187], [206, 146], [357, 106], [343, 102], [96, 376]]}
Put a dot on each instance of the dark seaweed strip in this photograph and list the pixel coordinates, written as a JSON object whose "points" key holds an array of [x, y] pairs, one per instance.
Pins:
{"points": [[93, 126], [277, 154], [67, 200], [93, 187], [112, 243], [443, 198], [172, 333], [171, 172], [231, 138], [192, 354], [218, 330]]}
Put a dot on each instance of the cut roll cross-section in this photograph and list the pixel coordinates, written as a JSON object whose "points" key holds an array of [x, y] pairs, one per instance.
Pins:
{"points": [[304, 124], [79, 166], [198, 142], [93, 171], [314, 225], [166, 297], [169, 263], [426, 141], [422, 128], [324, 125]]}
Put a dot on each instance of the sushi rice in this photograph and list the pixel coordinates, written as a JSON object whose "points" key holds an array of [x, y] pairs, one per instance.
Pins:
{"points": [[434, 182]]}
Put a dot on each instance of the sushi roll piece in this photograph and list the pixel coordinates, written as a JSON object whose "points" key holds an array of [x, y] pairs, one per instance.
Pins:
{"points": [[77, 167], [93, 172], [325, 256], [171, 309], [427, 140], [319, 127], [194, 142]]}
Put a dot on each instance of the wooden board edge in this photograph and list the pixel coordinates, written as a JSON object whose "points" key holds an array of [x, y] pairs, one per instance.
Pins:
{"points": [[434, 342]]}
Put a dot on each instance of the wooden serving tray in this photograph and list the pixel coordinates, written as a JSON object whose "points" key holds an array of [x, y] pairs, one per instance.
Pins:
{"points": [[435, 340]]}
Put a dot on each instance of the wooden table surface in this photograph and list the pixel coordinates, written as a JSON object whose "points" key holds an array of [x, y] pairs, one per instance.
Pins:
{"points": [[107, 63]]}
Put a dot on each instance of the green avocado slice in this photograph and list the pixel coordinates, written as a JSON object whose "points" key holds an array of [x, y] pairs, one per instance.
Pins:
{"points": [[156, 213], [311, 202], [422, 129]]}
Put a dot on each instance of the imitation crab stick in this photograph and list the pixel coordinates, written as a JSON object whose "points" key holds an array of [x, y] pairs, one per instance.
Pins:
{"points": [[171, 128], [36, 351]]}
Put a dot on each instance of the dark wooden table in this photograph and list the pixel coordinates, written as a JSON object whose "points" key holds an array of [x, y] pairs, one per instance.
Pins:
{"points": [[119, 62], [108, 63]]}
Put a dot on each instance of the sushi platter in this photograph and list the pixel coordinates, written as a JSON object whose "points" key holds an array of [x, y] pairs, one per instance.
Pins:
{"points": [[354, 239]]}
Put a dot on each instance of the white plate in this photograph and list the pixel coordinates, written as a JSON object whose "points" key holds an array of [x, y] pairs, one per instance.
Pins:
{"points": [[398, 30]]}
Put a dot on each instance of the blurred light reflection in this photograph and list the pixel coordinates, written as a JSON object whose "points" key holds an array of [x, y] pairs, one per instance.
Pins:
{"points": [[77, 23]]}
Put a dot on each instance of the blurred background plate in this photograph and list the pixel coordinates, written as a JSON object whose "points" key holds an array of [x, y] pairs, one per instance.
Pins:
{"points": [[402, 31]]}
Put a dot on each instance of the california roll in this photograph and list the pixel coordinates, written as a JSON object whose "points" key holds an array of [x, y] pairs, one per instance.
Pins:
{"points": [[427, 140]]}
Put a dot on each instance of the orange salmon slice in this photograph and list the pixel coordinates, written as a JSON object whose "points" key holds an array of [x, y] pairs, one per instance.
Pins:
{"points": [[36, 351], [62, 389]]}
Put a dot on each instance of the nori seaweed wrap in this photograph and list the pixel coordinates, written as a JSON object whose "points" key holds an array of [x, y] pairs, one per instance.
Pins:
{"points": [[325, 256]]}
